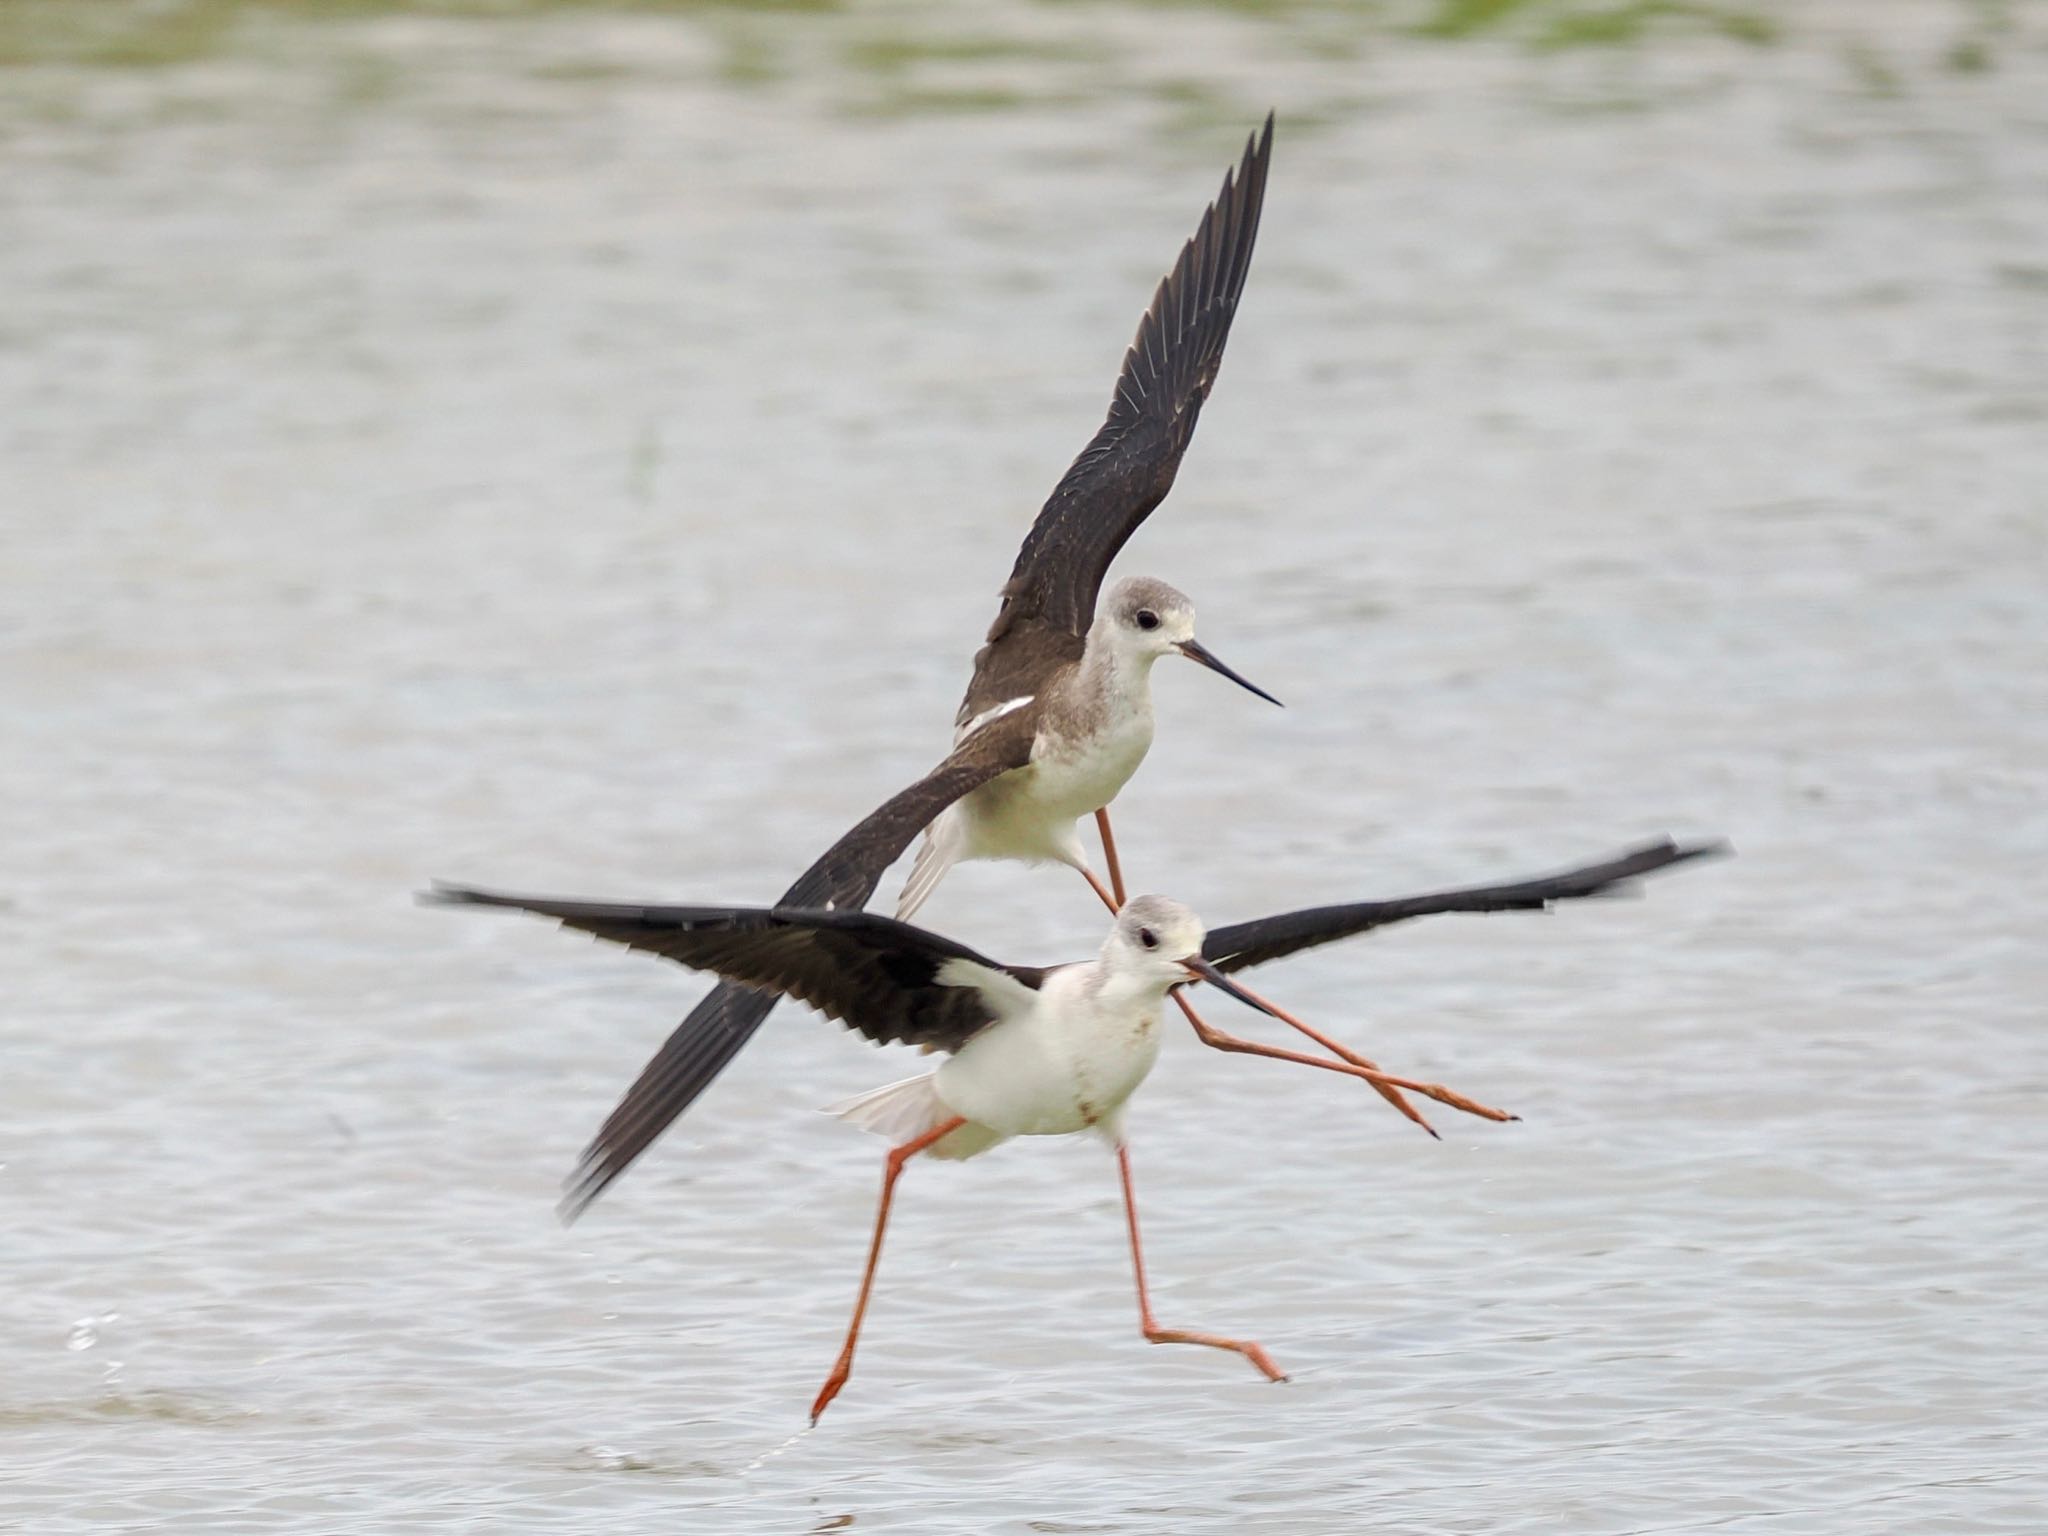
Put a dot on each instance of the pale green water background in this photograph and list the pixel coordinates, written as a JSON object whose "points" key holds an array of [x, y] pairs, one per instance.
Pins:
{"points": [[576, 448]]}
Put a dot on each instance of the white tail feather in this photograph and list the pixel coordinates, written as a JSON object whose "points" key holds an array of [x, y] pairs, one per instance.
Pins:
{"points": [[905, 1111], [939, 852], [900, 1111]]}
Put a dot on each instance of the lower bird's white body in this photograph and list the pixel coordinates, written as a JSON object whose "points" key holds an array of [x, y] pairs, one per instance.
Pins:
{"points": [[1067, 1061], [1060, 1051]]}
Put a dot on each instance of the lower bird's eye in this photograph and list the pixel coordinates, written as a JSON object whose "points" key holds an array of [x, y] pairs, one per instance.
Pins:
{"points": [[1147, 619], [1148, 938]]}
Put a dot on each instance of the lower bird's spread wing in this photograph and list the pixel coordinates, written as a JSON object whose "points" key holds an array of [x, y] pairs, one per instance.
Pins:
{"points": [[1269, 938], [888, 980]]}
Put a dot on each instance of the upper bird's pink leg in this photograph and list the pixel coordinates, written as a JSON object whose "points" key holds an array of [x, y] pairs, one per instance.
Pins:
{"points": [[1384, 1084], [1116, 873]]}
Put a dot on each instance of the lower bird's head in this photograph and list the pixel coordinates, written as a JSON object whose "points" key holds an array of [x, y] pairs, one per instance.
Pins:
{"points": [[1157, 943], [1147, 619]]}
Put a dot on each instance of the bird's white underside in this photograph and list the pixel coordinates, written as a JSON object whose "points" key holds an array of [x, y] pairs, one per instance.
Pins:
{"points": [[1030, 813], [1061, 1059]]}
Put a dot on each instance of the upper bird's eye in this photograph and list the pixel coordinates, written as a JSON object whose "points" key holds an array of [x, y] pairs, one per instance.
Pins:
{"points": [[1147, 619], [1146, 936]]}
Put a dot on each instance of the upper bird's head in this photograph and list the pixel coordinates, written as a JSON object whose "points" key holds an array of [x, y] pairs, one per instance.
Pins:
{"points": [[1149, 616], [1157, 944], [1147, 619]]}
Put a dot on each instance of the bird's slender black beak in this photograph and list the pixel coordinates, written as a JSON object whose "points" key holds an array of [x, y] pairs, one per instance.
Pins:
{"points": [[1201, 970], [1194, 650]]}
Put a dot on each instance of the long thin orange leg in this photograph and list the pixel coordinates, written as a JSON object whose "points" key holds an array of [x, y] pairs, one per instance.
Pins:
{"points": [[1386, 1086], [898, 1156], [1150, 1324], [1384, 1081], [1435, 1091], [1116, 873]]}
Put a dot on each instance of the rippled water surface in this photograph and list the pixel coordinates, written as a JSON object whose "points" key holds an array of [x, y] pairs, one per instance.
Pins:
{"points": [[577, 451]]}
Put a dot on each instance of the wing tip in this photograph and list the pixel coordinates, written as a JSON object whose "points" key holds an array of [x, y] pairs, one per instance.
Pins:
{"points": [[1165, 374], [581, 1188], [442, 893], [1258, 147], [1208, 274], [1667, 851], [1621, 878]]}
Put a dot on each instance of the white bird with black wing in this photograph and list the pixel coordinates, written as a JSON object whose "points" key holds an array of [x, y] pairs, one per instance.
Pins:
{"points": [[1031, 1052]]}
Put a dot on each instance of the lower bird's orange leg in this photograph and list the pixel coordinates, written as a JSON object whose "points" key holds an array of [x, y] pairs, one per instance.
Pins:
{"points": [[1150, 1324], [898, 1156]]}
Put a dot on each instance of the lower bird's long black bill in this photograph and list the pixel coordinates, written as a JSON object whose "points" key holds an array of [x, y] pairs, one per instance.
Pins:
{"points": [[1202, 969], [1194, 650]]}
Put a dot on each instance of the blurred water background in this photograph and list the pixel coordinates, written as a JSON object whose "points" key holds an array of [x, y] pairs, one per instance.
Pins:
{"points": [[574, 447]]}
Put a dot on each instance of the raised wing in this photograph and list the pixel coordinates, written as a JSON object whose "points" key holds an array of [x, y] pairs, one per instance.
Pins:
{"points": [[1167, 374], [1269, 938], [713, 1032], [889, 980]]}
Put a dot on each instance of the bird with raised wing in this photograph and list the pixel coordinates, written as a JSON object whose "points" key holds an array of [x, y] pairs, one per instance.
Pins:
{"points": [[1058, 712], [1031, 1051]]}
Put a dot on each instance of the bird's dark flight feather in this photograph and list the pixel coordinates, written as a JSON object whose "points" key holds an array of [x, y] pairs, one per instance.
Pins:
{"points": [[1128, 468], [844, 877], [1269, 938], [872, 973]]}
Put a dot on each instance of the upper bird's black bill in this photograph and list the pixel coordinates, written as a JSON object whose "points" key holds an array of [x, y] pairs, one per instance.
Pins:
{"points": [[1197, 966], [1194, 650]]}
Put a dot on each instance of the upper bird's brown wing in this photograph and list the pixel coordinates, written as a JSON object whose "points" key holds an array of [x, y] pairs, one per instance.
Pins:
{"points": [[1128, 468], [843, 877], [1239, 945], [890, 981]]}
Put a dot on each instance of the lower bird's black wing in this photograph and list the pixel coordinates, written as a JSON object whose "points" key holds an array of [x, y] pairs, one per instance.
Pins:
{"points": [[1239, 945], [890, 981], [844, 876]]}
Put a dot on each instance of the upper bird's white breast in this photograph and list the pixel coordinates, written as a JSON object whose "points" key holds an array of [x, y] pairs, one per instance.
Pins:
{"points": [[1076, 772]]}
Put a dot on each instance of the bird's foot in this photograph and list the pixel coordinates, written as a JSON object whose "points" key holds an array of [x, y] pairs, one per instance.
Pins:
{"points": [[1252, 1351], [831, 1388]]}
